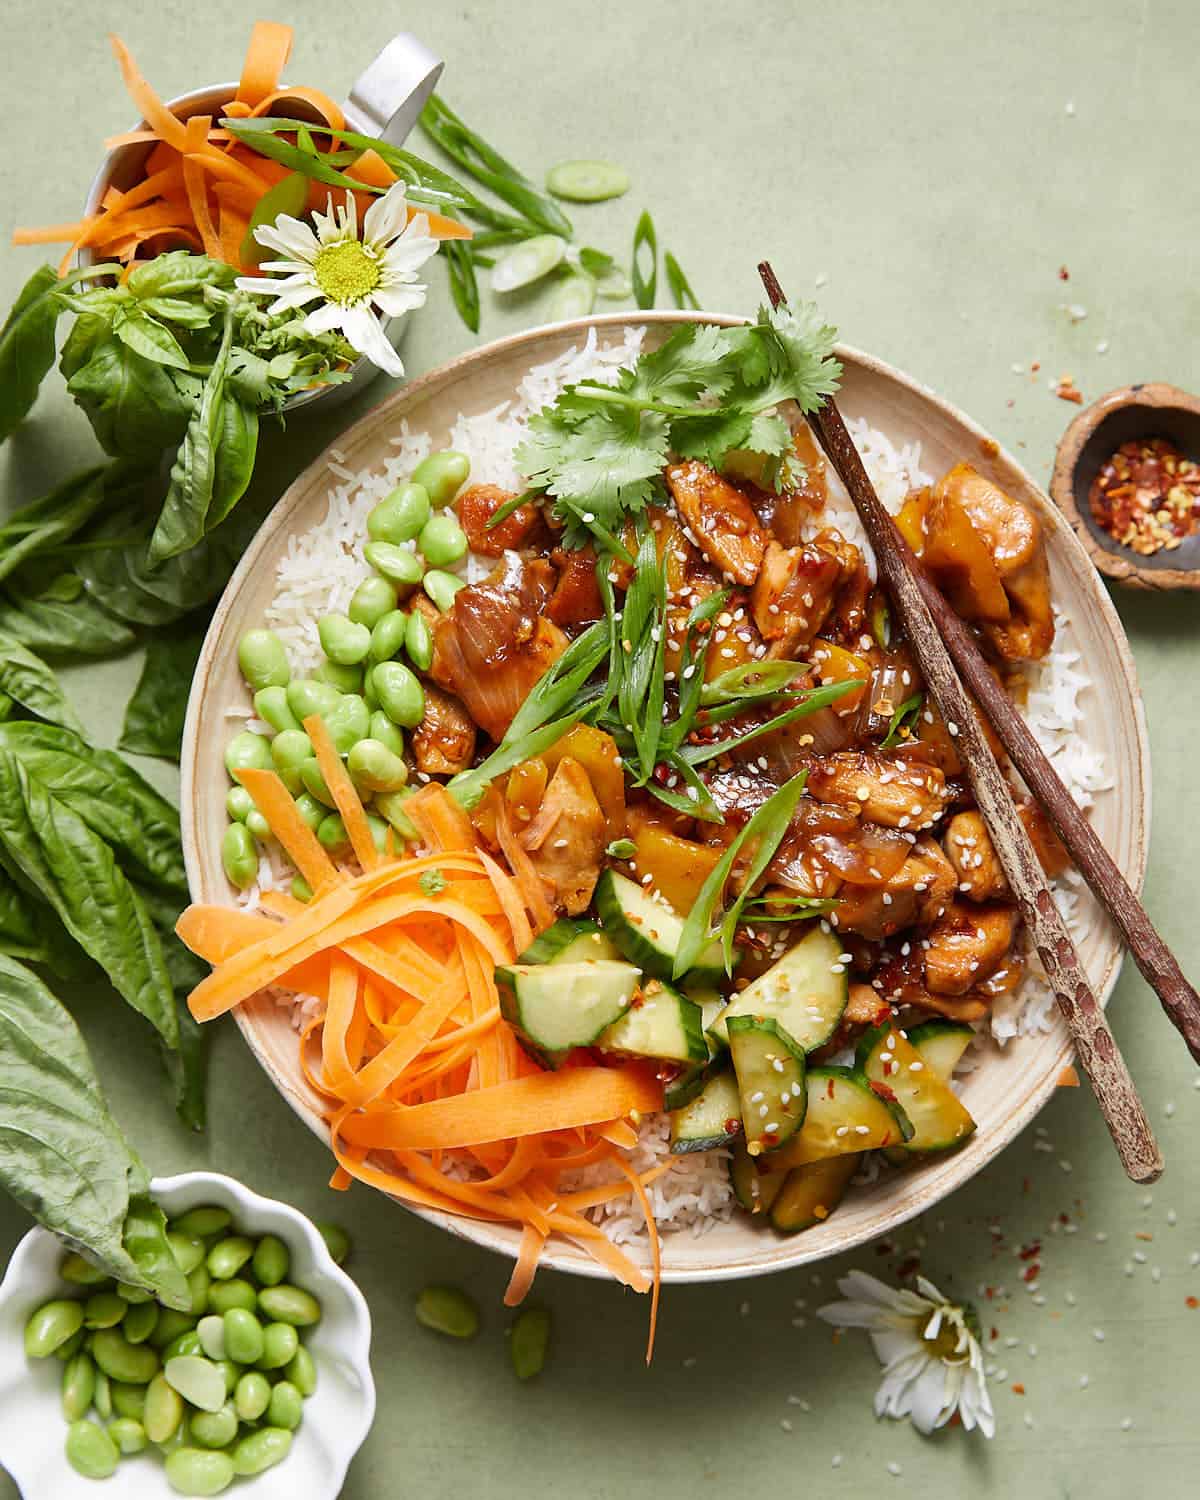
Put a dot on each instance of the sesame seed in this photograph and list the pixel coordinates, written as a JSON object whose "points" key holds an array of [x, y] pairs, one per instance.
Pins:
{"points": [[1083, 1382], [836, 1461], [894, 1469], [1098, 1335], [785, 1424]]}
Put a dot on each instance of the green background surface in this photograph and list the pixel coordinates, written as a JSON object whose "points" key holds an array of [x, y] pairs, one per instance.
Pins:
{"points": [[930, 167]]}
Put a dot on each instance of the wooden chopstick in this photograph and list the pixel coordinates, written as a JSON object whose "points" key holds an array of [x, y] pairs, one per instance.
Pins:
{"points": [[1095, 1045]]}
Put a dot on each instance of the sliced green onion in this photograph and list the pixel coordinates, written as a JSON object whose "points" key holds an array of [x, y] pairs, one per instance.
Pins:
{"points": [[587, 181], [464, 285], [822, 697], [903, 719], [753, 679], [645, 284], [528, 262], [574, 296], [681, 287]]}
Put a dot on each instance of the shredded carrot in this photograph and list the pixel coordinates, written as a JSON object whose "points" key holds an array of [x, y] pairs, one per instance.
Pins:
{"points": [[51, 234], [158, 117], [337, 779], [426, 1092], [266, 57], [317, 101]]}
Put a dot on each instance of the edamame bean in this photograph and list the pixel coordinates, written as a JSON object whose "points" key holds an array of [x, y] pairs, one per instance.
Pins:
{"points": [[139, 1322], [51, 1325], [239, 857], [347, 721], [381, 728], [239, 804], [306, 696], [197, 1380], [73, 1345], [198, 1284], [289, 750], [259, 828], [229, 1374], [125, 1400], [188, 1249], [263, 660], [528, 1342], [447, 1310], [248, 751], [243, 1336], [170, 1322], [388, 637], [290, 1304], [301, 890], [302, 1371], [204, 1220], [310, 810], [261, 1450], [587, 181], [103, 1398], [186, 1343], [379, 832], [280, 1342], [337, 1241], [287, 1406], [199, 1471], [90, 1450], [104, 1310], [442, 540], [236, 1293], [370, 696], [227, 1257], [345, 679], [252, 1395], [443, 474], [442, 587], [418, 641], [374, 768], [211, 1332], [371, 600], [128, 1434], [134, 1364], [271, 1261], [342, 640], [399, 565], [215, 1429], [163, 1411], [133, 1294], [177, 1440], [78, 1387], [401, 695], [80, 1272], [399, 516], [391, 806], [332, 834], [271, 704]]}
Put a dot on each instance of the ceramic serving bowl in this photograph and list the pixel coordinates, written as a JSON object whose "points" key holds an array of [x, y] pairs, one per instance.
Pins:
{"points": [[1006, 1092], [337, 1417]]}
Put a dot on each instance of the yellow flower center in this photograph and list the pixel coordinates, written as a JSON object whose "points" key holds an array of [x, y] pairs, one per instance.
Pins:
{"points": [[346, 272], [944, 1345]]}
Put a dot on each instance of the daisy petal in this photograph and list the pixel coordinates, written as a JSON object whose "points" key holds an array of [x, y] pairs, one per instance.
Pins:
{"points": [[365, 332], [387, 216], [325, 319], [290, 237], [395, 301]]}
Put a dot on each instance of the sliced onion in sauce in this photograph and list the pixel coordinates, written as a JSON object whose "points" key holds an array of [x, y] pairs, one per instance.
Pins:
{"points": [[870, 855]]}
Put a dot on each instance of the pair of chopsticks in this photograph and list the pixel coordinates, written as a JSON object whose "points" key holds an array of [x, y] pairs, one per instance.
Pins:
{"points": [[942, 643]]}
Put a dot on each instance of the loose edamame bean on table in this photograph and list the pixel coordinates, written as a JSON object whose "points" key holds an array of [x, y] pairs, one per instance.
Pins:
{"points": [[371, 600], [342, 640], [239, 856], [442, 540], [401, 695], [248, 751], [90, 1450], [337, 1241], [400, 515], [528, 1342], [442, 587], [51, 1325], [443, 474], [397, 564], [263, 660], [447, 1310]]}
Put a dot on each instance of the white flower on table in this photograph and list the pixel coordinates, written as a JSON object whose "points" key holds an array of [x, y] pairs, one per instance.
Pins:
{"points": [[928, 1347], [357, 278]]}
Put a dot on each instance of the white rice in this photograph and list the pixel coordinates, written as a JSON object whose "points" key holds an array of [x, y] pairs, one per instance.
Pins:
{"points": [[324, 565]]}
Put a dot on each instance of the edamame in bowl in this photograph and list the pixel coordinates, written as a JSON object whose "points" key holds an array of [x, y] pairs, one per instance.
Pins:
{"points": [[266, 1380]]}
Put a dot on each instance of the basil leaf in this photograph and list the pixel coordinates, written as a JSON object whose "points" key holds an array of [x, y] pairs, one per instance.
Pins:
{"points": [[75, 871], [187, 1065], [30, 930], [27, 347], [80, 628], [62, 1155], [29, 681], [645, 284], [149, 338], [464, 287], [288, 196], [177, 273], [767, 826], [135, 407], [117, 804], [155, 714], [51, 519], [237, 447]]}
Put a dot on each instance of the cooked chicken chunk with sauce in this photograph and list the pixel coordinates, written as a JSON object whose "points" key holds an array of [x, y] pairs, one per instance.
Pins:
{"points": [[896, 793], [720, 518], [567, 837], [443, 743], [966, 945]]}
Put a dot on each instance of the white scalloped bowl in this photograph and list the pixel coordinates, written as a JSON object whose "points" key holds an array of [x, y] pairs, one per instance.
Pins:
{"points": [[337, 1417]]}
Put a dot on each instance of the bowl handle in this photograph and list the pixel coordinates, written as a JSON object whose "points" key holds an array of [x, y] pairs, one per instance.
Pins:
{"points": [[389, 94]]}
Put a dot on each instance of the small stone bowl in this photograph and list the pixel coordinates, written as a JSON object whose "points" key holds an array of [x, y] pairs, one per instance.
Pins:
{"points": [[1134, 411]]}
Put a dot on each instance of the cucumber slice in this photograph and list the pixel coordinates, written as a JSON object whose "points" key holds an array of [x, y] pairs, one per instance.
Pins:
{"points": [[770, 1075], [556, 1007], [756, 1191], [662, 1023], [647, 931], [687, 1084], [568, 941], [712, 1118], [811, 1193], [806, 992], [940, 1119], [942, 1044], [845, 1114]]}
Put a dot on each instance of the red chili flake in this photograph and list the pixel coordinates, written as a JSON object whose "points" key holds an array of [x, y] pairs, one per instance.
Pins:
{"points": [[1036, 366], [1192, 1302], [956, 1419], [1031, 1273], [1025, 1185], [989, 1292], [1064, 1218], [1147, 496], [1143, 1234], [1031, 1250], [1063, 274], [1067, 390], [994, 1334], [1018, 1389]]}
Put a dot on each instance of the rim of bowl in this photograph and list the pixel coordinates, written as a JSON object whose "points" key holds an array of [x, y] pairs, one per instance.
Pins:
{"points": [[917, 1201], [217, 1185]]}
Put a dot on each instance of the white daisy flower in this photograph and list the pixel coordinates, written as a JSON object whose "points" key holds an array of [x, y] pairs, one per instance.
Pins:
{"points": [[359, 281], [929, 1349]]}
